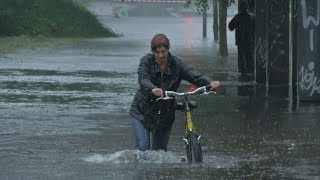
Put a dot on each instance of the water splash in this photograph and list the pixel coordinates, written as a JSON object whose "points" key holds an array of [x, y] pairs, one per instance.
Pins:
{"points": [[162, 157], [134, 156]]}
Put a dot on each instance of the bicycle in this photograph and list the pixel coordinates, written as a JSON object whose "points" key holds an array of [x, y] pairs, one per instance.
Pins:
{"points": [[192, 139]]}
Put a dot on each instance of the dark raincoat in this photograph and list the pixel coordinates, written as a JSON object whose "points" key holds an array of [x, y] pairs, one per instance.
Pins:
{"points": [[244, 24], [161, 114]]}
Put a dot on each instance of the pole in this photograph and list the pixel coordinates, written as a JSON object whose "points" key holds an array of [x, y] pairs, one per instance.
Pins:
{"points": [[204, 22]]}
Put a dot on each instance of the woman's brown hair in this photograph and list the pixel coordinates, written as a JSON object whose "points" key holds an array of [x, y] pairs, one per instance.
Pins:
{"points": [[159, 40]]}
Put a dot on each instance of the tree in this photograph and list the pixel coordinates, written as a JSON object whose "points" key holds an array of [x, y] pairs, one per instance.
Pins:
{"points": [[215, 20], [202, 5], [219, 28], [223, 46]]}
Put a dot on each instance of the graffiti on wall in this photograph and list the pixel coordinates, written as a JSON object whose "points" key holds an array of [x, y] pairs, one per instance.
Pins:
{"points": [[261, 49], [273, 42], [260, 43], [309, 78], [309, 81], [277, 35], [308, 20]]}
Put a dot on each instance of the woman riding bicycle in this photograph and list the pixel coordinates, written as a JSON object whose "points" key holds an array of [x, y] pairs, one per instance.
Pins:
{"points": [[159, 71]]}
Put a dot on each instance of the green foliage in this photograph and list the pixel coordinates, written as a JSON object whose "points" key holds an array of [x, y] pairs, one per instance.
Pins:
{"points": [[231, 2], [56, 18], [202, 5]]}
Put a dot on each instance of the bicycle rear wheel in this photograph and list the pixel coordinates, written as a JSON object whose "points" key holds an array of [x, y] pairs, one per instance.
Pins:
{"points": [[193, 148]]}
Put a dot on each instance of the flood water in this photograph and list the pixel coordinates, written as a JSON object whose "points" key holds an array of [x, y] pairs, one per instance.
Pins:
{"points": [[64, 112]]}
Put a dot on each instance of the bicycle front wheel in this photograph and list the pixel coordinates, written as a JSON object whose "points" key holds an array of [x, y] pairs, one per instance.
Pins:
{"points": [[193, 148]]}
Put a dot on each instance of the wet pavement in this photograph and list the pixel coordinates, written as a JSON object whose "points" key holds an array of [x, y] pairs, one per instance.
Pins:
{"points": [[64, 112]]}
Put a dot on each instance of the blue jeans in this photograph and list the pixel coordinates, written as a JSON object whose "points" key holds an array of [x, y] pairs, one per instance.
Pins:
{"points": [[160, 138]]}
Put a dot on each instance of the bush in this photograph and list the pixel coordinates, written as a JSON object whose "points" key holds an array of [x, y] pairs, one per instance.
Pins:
{"points": [[56, 18]]}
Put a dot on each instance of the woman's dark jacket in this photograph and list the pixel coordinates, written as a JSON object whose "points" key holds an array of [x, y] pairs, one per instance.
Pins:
{"points": [[161, 114]]}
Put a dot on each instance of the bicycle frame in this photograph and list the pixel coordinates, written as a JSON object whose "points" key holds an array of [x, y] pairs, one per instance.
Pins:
{"points": [[191, 138], [189, 126]]}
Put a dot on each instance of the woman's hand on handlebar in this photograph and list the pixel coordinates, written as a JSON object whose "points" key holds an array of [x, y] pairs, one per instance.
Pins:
{"points": [[157, 92], [214, 85]]}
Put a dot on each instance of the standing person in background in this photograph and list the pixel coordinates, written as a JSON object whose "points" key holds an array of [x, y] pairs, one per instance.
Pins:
{"points": [[244, 24], [159, 71]]}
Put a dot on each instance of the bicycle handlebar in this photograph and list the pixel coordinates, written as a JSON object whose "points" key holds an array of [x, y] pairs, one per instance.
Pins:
{"points": [[198, 91]]}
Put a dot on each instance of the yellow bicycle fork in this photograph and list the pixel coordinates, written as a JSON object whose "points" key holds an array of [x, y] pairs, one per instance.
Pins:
{"points": [[189, 123], [190, 127]]}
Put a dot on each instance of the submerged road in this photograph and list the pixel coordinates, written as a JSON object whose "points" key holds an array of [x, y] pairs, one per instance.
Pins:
{"points": [[64, 112]]}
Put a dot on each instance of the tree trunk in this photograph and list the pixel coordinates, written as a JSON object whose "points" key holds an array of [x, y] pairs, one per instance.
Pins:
{"points": [[204, 22], [223, 47], [215, 20]]}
